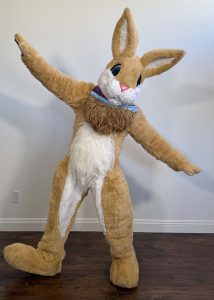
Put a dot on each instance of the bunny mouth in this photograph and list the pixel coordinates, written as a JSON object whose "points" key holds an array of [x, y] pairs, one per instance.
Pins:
{"points": [[97, 93], [116, 92]]}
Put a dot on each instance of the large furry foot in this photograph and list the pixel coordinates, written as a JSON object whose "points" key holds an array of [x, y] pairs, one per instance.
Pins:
{"points": [[31, 260], [124, 271]]}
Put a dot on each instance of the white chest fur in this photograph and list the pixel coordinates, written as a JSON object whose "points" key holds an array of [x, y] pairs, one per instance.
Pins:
{"points": [[91, 155]]}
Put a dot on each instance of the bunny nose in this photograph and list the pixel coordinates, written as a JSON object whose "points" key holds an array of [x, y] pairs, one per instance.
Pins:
{"points": [[123, 87]]}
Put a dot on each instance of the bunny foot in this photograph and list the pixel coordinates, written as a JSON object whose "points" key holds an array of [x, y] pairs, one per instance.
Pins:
{"points": [[31, 260], [124, 272]]}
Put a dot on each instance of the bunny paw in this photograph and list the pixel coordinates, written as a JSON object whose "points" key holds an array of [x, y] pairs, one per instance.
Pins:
{"points": [[24, 46], [190, 169]]}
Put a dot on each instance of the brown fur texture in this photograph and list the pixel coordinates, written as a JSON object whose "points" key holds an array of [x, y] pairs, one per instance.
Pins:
{"points": [[116, 204], [105, 119]]}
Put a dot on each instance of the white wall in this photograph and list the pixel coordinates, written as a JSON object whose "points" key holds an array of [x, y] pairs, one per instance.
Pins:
{"points": [[35, 128]]}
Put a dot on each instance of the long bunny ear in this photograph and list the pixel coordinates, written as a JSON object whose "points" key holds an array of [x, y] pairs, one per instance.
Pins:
{"points": [[158, 61], [124, 41]]}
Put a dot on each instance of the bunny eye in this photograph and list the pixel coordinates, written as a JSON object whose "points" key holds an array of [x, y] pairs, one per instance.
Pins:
{"points": [[116, 69], [139, 81]]}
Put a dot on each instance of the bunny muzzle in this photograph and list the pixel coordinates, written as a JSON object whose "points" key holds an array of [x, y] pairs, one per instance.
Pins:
{"points": [[117, 92]]}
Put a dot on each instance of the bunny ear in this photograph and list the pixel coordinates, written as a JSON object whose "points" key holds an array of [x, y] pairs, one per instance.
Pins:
{"points": [[124, 41], [158, 61]]}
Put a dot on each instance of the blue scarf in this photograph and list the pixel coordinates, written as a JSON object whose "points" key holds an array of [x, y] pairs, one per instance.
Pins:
{"points": [[97, 93]]}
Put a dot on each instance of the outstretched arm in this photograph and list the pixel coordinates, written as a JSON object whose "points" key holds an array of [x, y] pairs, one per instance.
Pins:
{"points": [[149, 138], [64, 87]]}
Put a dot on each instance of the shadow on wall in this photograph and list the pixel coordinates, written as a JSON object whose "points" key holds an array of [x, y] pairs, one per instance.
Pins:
{"points": [[140, 192], [191, 95], [141, 189], [46, 133], [185, 96]]}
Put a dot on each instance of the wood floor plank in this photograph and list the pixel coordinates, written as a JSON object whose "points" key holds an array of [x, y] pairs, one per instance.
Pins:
{"points": [[172, 267]]}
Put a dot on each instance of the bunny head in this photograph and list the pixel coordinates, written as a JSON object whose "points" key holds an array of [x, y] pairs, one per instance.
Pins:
{"points": [[122, 79]]}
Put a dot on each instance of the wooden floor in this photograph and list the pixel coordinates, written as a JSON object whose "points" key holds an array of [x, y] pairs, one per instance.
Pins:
{"points": [[172, 267]]}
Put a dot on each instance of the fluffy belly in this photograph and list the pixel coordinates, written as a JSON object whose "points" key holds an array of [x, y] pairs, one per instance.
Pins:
{"points": [[91, 155]]}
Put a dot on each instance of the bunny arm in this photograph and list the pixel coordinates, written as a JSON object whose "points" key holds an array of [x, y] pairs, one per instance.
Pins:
{"points": [[144, 134], [67, 89]]}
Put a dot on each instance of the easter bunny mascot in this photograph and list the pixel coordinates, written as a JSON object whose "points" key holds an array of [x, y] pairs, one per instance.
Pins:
{"points": [[105, 114]]}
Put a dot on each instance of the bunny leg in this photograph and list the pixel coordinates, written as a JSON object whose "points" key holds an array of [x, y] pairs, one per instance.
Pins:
{"points": [[115, 214], [47, 257]]}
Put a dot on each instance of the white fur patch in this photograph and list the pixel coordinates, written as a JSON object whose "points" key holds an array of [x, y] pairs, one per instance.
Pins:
{"points": [[110, 87], [70, 198], [91, 156], [97, 194], [159, 62], [124, 36]]}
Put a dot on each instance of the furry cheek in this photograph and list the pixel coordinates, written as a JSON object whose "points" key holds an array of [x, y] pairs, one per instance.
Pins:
{"points": [[109, 86]]}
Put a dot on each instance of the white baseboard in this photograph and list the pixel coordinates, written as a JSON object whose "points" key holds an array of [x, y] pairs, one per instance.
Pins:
{"points": [[92, 224]]}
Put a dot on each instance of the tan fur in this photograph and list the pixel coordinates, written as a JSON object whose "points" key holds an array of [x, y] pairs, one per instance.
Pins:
{"points": [[117, 209], [132, 36], [155, 144], [119, 232], [155, 55], [64, 87], [130, 65], [47, 257]]}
